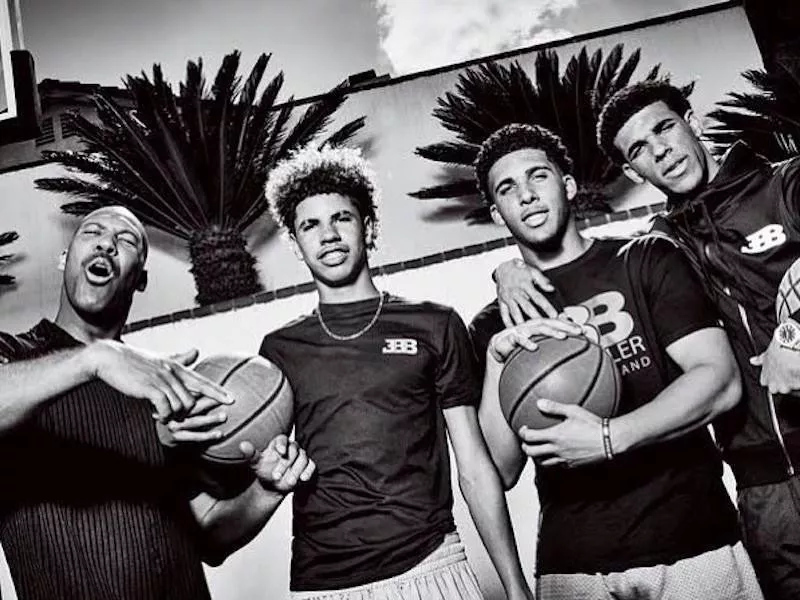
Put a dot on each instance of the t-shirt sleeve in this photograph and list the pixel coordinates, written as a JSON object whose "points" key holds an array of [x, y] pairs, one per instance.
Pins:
{"points": [[457, 381], [485, 324], [677, 299], [270, 349]]}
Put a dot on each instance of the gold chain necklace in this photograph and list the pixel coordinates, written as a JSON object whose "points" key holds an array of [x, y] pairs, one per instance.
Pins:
{"points": [[357, 334]]}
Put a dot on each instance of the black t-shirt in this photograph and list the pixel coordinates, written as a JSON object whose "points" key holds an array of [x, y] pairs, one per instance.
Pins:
{"points": [[92, 507], [656, 504], [369, 412]]}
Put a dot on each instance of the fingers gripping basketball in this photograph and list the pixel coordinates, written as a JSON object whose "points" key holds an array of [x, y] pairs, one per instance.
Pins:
{"points": [[574, 370]]}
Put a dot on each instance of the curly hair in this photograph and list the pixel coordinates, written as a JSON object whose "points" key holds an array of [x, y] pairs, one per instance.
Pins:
{"points": [[511, 138], [627, 102], [330, 170]]}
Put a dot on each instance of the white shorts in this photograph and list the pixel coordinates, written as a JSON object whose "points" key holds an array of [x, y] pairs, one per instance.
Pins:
{"points": [[444, 574], [722, 574]]}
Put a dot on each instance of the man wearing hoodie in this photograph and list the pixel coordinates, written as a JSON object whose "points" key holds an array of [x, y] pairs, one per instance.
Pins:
{"points": [[737, 220]]}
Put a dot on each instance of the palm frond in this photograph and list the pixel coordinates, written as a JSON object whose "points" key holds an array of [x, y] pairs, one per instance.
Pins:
{"points": [[195, 159], [767, 119], [452, 189], [7, 238], [491, 95]]}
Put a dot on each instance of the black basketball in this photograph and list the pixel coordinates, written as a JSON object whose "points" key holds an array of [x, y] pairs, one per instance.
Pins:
{"points": [[574, 370]]}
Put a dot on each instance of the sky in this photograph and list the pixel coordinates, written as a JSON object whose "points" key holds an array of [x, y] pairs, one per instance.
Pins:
{"points": [[317, 43]]}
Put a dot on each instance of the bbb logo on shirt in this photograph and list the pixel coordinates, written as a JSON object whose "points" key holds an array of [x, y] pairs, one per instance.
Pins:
{"points": [[764, 239], [400, 346]]}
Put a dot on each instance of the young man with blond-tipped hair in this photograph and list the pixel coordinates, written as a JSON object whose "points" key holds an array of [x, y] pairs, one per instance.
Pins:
{"points": [[380, 384]]}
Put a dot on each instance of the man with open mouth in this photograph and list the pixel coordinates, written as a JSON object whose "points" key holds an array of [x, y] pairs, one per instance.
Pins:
{"points": [[93, 506]]}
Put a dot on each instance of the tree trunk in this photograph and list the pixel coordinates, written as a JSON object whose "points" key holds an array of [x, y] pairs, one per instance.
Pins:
{"points": [[223, 269]]}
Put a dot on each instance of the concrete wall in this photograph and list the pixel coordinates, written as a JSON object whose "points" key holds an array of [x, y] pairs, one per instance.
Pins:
{"points": [[711, 49]]}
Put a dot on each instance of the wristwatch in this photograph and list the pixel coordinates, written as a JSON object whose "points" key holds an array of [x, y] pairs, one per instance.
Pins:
{"points": [[787, 334]]}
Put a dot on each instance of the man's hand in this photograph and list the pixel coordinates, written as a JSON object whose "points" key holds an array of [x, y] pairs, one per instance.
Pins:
{"points": [[780, 368], [167, 382], [502, 344], [576, 441], [281, 466], [198, 426], [518, 292]]}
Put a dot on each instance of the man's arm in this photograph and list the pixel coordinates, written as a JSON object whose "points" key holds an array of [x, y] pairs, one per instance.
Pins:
{"points": [[230, 524], [28, 385], [503, 444], [482, 489], [708, 387]]}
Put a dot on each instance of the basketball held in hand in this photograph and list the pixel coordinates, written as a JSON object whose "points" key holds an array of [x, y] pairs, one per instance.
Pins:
{"points": [[573, 370], [263, 407]]}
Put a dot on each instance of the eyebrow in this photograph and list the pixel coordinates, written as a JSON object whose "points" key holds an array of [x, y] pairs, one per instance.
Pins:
{"points": [[528, 172]]}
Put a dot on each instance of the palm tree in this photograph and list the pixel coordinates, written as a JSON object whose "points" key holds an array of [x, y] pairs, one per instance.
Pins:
{"points": [[193, 164], [5, 239], [493, 95], [767, 119]]}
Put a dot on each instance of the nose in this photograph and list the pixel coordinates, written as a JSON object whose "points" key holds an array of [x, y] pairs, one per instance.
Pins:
{"points": [[330, 233], [660, 149], [527, 194], [107, 243]]}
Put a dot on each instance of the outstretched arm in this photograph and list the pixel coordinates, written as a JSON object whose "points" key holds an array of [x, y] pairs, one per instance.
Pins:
{"points": [[483, 491], [172, 388]]}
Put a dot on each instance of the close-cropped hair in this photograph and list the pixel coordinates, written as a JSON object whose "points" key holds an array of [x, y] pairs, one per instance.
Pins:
{"points": [[312, 171], [627, 102], [513, 137]]}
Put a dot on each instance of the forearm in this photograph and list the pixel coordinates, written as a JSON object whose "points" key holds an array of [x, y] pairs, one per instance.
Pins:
{"points": [[230, 524], [693, 400], [502, 443], [28, 385], [486, 500]]}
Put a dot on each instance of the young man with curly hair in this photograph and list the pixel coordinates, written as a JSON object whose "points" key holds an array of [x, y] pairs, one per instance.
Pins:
{"points": [[631, 506], [737, 221], [380, 383]]}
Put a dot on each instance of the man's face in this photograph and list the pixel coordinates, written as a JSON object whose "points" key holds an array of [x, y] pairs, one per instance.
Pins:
{"points": [[331, 238], [530, 196], [104, 264], [662, 147]]}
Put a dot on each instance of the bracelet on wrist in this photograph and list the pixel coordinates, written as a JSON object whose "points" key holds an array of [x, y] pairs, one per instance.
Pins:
{"points": [[605, 427]]}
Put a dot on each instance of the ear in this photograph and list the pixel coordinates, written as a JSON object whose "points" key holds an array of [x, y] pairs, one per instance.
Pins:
{"points": [[631, 174], [570, 186], [62, 260], [295, 247], [496, 216], [369, 233], [141, 282], [695, 123]]}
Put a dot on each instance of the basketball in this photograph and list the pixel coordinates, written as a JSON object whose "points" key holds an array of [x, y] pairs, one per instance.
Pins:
{"points": [[263, 407], [573, 370]]}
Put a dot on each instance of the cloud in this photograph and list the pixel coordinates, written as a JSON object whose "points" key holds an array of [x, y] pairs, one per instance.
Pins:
{"points": [[421, 34]]}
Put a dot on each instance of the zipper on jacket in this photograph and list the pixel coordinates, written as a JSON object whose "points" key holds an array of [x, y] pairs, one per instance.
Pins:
{"points": [[773, 413]]}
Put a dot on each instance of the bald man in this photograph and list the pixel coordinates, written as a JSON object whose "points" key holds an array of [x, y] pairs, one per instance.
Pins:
{"points": [[93, 506]]}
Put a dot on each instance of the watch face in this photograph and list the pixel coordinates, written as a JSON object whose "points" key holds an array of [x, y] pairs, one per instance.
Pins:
{"points": [[788, 335]]}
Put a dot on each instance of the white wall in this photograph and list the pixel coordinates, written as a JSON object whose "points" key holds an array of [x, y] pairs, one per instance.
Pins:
{"points": [[260, 570]]}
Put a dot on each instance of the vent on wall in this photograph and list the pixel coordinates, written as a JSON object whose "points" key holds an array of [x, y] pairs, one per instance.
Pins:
{"points": [[67, 128]]}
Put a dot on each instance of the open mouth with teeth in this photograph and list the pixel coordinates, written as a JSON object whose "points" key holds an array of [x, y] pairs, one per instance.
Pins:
{"points": [[99, 271]]}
